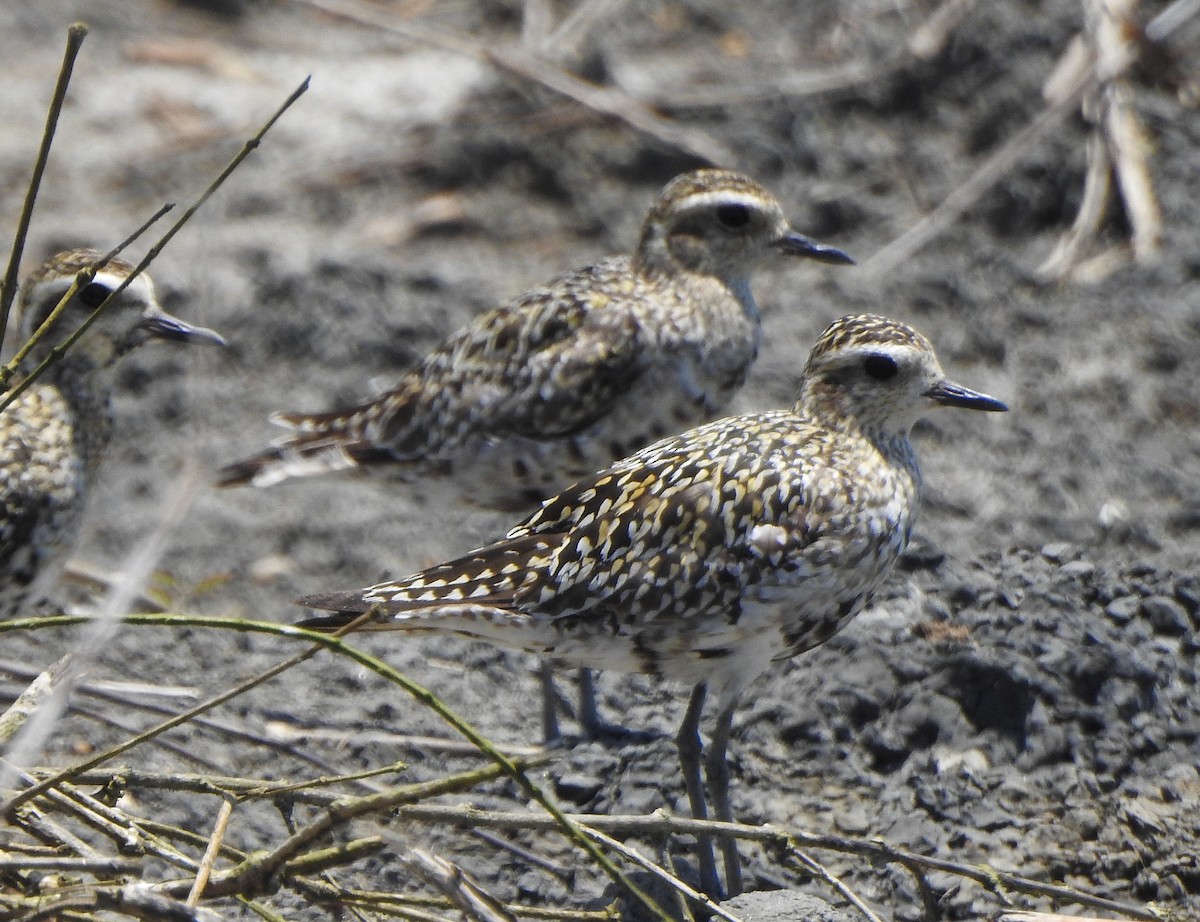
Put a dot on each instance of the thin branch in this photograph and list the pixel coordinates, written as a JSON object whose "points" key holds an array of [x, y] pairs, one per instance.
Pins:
{"points": [[336, 855], [304, 792], [76, 33], [204, 872], [108, 691], [1097, 185], [101, 867], [40, 689]]}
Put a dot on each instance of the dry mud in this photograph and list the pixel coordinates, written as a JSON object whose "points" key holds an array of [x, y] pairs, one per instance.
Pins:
{"points": [[1024, 693]]}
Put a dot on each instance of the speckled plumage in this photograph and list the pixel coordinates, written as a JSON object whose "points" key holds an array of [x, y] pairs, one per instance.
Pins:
{"points": [[705, 556], [568, 377], [54, 434]]}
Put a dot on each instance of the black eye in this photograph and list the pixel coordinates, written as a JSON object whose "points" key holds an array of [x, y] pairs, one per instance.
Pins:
{"points": [[880, 367], [733, 216], [93, 295]]}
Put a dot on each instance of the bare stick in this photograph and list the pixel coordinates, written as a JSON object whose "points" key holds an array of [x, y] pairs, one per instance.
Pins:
{"points": [[211, 852], [76, 33], [1097, 186], [97, 866], [1171, 19], [40, 689], [51, 833], [1130, 152], [115, 824]]}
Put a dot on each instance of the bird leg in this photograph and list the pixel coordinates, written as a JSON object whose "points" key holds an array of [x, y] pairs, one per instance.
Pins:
{"points": [[591, 725], [690, 749], [590, 721], [716, 768], [551, 734]]}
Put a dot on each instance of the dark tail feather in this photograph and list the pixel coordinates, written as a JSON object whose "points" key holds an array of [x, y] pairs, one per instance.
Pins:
{"points": [[301, 457], [328, 624], [345, 608], [241, 473]]}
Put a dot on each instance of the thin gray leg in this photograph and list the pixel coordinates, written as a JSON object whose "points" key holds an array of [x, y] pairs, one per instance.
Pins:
{"points": [[590, 721], [550, 730], [690, 749], [717, 769]]}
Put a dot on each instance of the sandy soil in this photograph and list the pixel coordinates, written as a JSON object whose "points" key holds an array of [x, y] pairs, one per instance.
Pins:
{"points": [[1025, 691]]}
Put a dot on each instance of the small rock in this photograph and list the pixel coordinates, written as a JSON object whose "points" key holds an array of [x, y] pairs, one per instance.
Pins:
{"points": [[1058, 552], [1189, 597], [1123, 610], [853, 822], [1078, 569], [783, 906], [1166, 615], [578, 787]]}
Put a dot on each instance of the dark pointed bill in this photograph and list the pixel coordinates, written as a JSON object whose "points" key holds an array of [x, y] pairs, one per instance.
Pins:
{"points": [[164, 326], [798, 245], [950, 394]]}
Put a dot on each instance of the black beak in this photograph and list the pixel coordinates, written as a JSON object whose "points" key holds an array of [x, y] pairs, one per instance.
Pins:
{"points": [[161, 325], [798, 245], [950, 394]]}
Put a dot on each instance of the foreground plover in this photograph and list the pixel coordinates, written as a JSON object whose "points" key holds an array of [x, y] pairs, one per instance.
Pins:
{"points": [[705, 556], [54, 434]]}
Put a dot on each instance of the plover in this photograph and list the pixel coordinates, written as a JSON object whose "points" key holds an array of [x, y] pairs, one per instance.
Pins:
{"points": [[705, 556], [54, 434], [566, 378]]}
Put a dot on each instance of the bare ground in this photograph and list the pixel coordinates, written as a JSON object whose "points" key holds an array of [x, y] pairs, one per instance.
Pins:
{"points": [[1024, 694]]}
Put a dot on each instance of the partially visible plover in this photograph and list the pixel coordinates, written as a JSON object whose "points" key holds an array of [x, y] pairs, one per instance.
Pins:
{"points": [[705, 556], [567, 378], [53, 436]]}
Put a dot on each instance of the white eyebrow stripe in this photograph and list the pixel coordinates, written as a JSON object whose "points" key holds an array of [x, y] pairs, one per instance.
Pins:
{"points": [[723, 197]]}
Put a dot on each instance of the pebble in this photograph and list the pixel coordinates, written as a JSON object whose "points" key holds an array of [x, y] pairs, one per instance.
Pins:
{"points": [[1166, 615]]}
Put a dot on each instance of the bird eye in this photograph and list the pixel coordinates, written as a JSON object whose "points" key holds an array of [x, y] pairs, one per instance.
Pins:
{"points": [[880, 367], [93, 294], [733, 216]]}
